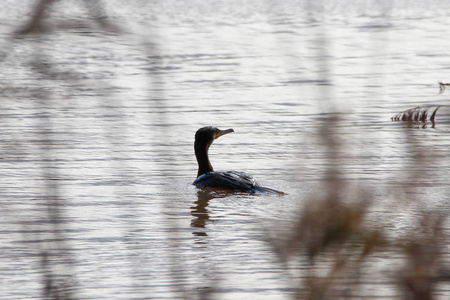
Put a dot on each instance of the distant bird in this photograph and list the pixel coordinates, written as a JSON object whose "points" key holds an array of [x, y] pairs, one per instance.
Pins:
{"points": [[229, 180]]}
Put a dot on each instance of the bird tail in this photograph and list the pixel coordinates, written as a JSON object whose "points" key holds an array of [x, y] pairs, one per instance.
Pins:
{"points": [[262, 189]]}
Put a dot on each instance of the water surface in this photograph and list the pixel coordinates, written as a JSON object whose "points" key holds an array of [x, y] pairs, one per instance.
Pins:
{"points": [[97, 140]]}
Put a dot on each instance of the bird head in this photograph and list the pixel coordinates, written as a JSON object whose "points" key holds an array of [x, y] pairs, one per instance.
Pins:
{"points": [[209, 133]]}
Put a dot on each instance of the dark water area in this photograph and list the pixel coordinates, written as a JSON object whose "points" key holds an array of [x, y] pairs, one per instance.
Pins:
{"points": [[98, 124]]}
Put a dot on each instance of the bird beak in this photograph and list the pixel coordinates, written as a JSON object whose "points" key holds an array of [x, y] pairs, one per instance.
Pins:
{"points": [[223, 132]]}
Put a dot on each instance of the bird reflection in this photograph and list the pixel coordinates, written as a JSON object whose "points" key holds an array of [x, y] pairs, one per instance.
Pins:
{"points": [[200, 210]]}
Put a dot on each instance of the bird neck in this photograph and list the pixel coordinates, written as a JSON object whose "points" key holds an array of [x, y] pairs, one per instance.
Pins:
{"points": [[201, 152]]}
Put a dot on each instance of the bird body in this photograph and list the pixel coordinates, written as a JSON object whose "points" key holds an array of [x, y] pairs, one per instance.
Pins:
{"points": [[229, 180]]}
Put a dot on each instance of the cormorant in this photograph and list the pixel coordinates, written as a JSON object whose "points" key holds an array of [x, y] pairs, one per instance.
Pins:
{"points": [[229, 180]]}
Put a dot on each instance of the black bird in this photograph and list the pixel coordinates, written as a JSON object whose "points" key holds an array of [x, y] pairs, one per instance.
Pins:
{"points": [[229, 180]]}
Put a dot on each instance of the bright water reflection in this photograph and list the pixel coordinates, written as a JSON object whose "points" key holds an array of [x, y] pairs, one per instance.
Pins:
{"points": [[97, 141]]}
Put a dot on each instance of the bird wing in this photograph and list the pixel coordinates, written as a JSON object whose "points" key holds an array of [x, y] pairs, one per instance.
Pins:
{"points": [[231, 180]]}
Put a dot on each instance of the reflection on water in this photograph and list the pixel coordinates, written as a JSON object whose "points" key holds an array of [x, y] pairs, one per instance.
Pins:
{"points": [[97, 159], [200, 211]]}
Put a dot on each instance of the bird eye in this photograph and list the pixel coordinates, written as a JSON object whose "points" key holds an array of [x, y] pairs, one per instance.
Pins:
{"points": [[217, 134]]}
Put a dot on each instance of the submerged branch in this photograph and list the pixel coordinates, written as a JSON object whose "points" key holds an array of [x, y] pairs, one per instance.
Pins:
{"points": [[418, 114], [442, 87]]}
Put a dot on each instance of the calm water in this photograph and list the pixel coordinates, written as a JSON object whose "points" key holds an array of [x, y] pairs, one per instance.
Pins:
{"points": [[97, 139]]}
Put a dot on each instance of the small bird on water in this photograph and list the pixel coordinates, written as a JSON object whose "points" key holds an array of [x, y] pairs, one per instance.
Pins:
{"points": [[229, 180]]}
